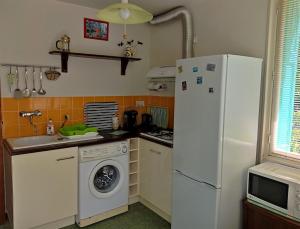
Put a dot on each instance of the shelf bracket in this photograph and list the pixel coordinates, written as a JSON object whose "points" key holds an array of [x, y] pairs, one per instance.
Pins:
{"points": [[64, 61], [124, 63]]}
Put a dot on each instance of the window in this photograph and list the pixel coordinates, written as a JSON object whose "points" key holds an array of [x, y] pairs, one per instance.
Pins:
{"points": [[286, 97]]}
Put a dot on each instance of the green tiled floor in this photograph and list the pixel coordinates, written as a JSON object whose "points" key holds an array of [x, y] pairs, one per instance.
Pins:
{"points": [[138, 217], [6, 226]]}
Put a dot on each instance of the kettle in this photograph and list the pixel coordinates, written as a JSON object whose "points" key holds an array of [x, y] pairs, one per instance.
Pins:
{"points": [[130, 122], [146, 121], [64, 43]]}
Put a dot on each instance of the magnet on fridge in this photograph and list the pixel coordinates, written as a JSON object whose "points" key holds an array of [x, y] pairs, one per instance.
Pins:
{"points": [[184, 85], [211, 90], [179, 69], [199, 80], [211, 67], [195, 69]]}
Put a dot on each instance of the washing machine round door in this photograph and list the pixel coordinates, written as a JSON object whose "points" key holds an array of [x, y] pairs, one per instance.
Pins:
{"points": [[106, 179]]}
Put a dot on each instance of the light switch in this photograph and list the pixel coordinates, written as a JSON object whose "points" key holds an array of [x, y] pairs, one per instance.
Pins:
{"points": [[140, 103]]}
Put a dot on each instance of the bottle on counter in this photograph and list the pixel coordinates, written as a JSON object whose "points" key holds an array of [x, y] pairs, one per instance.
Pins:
{"points": [[115, 122], [50, 127]]}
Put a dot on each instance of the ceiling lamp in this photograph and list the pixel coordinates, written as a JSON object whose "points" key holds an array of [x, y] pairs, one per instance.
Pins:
{"points": [[124, 13]]}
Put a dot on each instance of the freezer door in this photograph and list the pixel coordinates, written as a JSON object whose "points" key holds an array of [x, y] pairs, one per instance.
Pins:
{"points": [[195, 205], [199, 109]]}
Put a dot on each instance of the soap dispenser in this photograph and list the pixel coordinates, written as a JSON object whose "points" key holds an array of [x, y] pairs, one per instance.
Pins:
{"points": [[50, 127]]}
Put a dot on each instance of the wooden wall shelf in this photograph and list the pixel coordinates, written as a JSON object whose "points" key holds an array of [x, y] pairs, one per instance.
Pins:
{"points": [[65, 57]]}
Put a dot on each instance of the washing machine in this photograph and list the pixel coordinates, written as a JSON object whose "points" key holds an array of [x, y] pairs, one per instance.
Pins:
{"points": [[103, 182]]}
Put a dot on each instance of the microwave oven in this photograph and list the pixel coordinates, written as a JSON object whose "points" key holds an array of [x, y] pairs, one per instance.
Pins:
{"points": [[275, 187]]}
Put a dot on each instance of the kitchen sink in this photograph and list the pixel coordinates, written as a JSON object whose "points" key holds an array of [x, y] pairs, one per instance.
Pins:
{"points": [[45, 140]]}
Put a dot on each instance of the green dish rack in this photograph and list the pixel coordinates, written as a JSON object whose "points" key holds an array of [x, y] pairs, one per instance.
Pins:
{"points": [[77, 129]]}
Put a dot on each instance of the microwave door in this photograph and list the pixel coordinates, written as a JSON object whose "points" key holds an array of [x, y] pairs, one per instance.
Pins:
{"points": [[269, 192]]}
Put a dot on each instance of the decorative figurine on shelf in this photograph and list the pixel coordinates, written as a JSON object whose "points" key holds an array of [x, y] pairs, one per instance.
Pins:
{"points": [[129, 46], [64, 44]]}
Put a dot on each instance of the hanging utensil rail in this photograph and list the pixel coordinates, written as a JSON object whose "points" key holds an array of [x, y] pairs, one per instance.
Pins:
{"points": [[29, 66]]}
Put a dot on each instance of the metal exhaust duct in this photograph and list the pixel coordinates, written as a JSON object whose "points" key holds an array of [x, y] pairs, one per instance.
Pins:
{"points": [[187, 23]]}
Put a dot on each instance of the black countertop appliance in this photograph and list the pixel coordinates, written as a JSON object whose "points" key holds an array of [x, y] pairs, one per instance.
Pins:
{"points": [[146, 122], [130, 122]]}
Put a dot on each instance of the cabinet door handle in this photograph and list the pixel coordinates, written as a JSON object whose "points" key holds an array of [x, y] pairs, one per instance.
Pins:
{"points": [[65, 158], [155, 151]]}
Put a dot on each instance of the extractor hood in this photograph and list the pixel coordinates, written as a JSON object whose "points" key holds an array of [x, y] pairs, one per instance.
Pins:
{"points": [[162, 72]]}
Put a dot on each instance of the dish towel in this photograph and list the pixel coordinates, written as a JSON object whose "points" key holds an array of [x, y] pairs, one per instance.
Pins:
{"points": [[159, 116]]}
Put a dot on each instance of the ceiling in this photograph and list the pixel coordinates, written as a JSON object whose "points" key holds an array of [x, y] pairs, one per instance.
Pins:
{"points": [[154, 6]]}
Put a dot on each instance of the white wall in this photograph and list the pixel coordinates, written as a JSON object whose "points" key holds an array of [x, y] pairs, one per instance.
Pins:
{"points": [[222, 26], [29, 30]]}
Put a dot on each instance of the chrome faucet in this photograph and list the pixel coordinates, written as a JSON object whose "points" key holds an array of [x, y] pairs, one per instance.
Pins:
{"points": [[30, 115]]}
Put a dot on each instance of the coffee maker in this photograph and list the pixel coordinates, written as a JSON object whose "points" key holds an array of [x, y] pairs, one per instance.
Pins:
{"points": [[130, 122]]}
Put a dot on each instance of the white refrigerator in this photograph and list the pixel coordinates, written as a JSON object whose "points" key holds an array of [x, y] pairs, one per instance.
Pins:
{"points": [[215, 138]]}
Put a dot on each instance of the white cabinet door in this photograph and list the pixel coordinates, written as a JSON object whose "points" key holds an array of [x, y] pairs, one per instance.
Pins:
{"points": [[44, 187], [156, 174]]}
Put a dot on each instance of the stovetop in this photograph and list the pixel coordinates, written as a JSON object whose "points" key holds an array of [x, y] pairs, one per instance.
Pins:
{"points": [[160, 134]]}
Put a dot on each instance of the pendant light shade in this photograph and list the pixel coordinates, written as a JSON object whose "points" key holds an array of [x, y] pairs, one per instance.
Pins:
{"points": [[124, 13]]}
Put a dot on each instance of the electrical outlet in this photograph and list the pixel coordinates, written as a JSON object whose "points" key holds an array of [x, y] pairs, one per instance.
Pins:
{"points": [[139, 103]]}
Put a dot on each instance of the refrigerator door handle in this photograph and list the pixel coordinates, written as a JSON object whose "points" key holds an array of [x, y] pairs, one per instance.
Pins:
{"points": [[201, 182]]}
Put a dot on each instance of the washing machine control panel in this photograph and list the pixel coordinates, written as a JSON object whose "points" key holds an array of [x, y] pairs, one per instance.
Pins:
{"points": [[124, 148], [103, 150]]}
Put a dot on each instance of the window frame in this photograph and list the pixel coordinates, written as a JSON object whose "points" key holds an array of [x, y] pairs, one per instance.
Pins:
{"points": [[270, 94]]}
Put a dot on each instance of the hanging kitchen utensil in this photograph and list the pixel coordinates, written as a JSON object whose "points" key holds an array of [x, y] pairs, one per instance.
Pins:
{"points": [[10, 79], [41, 91], [17, 93], [52, 74], [34, 91], [26, 92]]}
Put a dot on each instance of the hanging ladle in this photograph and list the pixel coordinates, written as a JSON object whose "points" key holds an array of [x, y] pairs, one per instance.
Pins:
{"points": [[34, 91], [41, 91], [10, 79], [26, 92], [17, 93]]}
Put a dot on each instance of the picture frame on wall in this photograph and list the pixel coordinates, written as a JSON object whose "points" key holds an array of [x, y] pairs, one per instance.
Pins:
{"points": [[96, 29]]}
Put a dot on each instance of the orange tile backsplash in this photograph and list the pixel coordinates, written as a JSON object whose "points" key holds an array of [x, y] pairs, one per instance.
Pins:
{"points": [[56, 107]]}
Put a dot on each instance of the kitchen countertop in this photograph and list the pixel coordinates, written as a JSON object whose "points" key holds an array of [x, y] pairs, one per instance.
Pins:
{"points": [[107, 138]]}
